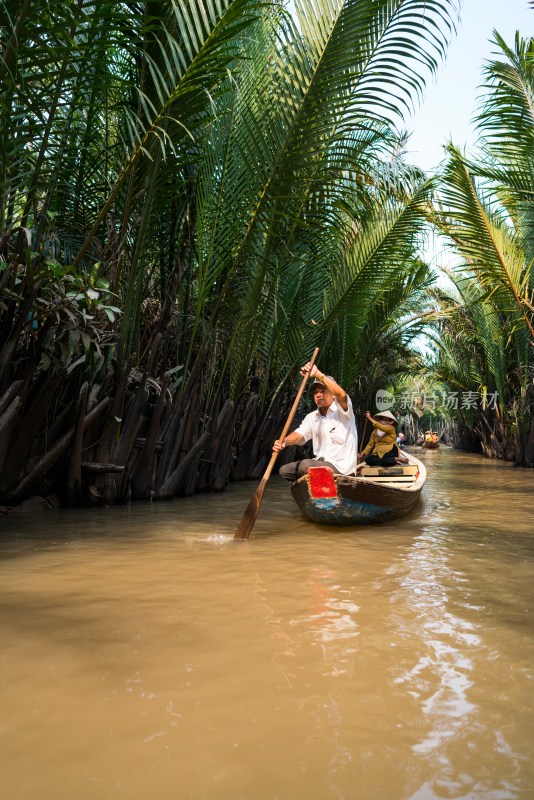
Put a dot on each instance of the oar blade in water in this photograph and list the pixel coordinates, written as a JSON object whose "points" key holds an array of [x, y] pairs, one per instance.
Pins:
{"points": [[251, 512]]}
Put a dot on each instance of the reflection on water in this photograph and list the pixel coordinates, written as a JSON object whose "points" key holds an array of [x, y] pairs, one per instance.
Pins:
{"points": [[146, 654]]}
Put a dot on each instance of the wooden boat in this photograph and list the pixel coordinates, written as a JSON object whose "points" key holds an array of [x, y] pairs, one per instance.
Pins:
{"points": [[377, 495], [431, 445]]}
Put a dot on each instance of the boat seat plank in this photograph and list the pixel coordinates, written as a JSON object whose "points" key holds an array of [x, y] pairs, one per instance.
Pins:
{"points": [[391, 479], [405, 469]]}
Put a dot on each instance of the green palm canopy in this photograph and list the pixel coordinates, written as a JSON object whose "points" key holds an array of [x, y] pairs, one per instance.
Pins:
{"points": [[203, 190]]}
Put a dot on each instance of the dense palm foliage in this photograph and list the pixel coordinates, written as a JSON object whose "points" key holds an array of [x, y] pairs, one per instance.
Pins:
{"points": [[487, 211], [192, 195]]}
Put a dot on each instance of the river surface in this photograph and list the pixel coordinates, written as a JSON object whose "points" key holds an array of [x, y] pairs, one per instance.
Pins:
{"points": [[145, 654]]}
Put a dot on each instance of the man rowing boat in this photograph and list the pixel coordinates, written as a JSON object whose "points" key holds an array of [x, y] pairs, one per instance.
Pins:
{"points": [[332, 429]]}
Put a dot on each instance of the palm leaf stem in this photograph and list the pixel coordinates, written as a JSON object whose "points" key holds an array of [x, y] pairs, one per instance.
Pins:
{"points": [[54, 107], [8, 57]]}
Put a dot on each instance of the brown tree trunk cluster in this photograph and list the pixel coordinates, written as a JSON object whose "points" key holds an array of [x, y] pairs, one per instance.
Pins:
{"points": [[117, 440]]}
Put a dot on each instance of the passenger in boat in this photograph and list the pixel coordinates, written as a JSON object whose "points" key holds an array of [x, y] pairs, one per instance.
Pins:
{"points": [[331, 428], [382, 450]]}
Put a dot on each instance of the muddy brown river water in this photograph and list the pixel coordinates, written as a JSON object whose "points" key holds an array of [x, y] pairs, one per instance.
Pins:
{"points": [[144, 654]]}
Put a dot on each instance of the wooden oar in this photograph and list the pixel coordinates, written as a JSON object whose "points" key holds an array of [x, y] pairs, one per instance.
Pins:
{"points": [[251, 512], [361, 442]]}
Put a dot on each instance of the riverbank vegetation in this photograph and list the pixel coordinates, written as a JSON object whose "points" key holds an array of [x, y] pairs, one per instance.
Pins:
{"points": [[193, 196], [484, 339]]}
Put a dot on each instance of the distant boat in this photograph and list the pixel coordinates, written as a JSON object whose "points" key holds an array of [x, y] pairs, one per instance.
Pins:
{"points": [[380, 494], [431, 445]]}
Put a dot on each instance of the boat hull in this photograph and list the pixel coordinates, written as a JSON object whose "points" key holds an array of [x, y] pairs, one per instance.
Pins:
{"points": [[354, 501]]}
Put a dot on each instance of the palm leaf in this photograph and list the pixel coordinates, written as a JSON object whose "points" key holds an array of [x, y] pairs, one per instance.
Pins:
{"points": [[483, 236]]}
